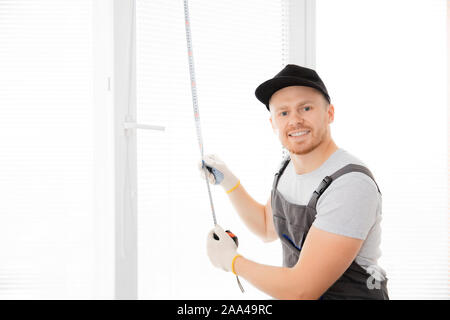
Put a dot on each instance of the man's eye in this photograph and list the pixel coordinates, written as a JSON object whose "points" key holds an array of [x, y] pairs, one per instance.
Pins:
{"points": [[307, 108], [283, 113]]}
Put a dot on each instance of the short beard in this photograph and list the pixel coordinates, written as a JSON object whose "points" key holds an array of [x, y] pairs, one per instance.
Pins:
{"points": [[309, 148], [303, 151]]}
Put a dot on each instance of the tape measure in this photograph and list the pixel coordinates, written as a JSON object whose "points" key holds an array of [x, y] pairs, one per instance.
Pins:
{"points": [[195, 100], [197, 121]]}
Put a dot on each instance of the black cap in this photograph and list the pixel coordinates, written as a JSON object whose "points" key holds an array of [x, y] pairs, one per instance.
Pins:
{"points": [[291, 75]]}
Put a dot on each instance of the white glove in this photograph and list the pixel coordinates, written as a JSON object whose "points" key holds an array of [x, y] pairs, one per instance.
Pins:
{"points": [[221, 251], [220, 173]]}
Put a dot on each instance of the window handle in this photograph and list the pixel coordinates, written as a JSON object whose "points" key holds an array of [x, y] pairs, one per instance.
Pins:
{"points": [[133, 125]]}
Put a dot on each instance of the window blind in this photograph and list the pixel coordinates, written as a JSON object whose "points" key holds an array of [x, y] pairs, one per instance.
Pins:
{"points": [[384, 63], [236, 45], [46, 153]]}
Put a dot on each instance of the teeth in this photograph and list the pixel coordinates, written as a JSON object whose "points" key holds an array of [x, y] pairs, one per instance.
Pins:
{"points": [[296, 134]]}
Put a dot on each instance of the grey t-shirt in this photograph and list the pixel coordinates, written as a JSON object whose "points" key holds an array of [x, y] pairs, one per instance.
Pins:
{"points": [[350, 206]]}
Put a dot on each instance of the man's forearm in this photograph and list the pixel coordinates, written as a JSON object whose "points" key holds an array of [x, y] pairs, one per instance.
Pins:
{"points": [[250, 211], [277, 282]]}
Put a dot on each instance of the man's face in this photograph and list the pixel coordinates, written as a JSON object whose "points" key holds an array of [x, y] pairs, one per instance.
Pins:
{"points": [[301, 117]]}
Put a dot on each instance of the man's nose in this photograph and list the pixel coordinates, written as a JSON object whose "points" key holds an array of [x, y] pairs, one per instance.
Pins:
{"points": [[295, 118]]}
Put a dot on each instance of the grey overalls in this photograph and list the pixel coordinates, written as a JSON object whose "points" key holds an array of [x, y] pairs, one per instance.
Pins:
{"points": [[292, 223]]}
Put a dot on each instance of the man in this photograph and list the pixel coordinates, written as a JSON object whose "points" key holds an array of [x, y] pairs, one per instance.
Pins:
{"points": [[325, 206]]}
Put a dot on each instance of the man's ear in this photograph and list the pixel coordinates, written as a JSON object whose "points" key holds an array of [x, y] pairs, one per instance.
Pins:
{"points": [[330, 113], [271, 123]]}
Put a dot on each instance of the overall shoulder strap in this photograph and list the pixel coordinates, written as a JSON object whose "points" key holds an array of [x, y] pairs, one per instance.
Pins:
{"points": [[329, 179], [283, 166]]}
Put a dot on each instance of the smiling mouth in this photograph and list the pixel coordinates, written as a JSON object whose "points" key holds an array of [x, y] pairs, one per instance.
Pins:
{"points": [[298, 133]]}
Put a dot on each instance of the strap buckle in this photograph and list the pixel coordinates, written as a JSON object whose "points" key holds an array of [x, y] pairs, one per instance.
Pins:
{"points": [[323, 185]]}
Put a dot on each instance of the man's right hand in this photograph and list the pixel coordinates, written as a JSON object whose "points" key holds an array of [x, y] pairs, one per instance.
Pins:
{"points": [[217, 172], [256, 216]]}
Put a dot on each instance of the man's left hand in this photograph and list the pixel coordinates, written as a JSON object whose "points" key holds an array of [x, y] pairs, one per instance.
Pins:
{"points": [[221, 248]]}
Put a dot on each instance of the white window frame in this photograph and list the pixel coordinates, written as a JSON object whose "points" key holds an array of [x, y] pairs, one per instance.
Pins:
{"points": [[115, 149], [104, 173], [301, 28]]}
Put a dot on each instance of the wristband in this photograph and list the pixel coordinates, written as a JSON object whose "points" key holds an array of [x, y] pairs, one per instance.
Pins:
{"points": [[237, 185], [232, 263]]}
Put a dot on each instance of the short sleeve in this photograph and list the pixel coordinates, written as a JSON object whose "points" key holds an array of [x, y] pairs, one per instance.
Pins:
{"points": [[349, 206]]}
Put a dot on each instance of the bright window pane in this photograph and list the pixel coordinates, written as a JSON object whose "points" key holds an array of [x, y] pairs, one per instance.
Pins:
{"points": [[385, 63], [46, 155], [236, 46]]}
